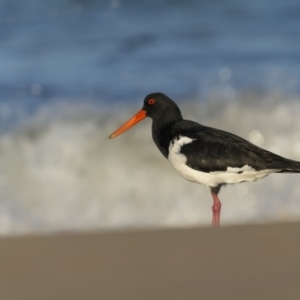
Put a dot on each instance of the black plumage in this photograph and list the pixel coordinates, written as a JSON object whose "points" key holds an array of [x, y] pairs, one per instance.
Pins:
{"points": [[212, 149]]}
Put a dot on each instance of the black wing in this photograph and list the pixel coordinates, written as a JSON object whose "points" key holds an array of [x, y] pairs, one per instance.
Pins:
{"points": [[216, 150]]}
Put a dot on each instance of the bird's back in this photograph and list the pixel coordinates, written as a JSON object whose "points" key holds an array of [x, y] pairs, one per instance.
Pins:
{"points": [[216, 150]]}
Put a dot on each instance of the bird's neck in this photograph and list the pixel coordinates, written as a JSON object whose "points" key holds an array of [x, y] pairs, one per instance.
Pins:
{"points": [[162, 134]]}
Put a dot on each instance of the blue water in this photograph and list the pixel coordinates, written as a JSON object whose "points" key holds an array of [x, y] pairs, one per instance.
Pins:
{"points": [[122, 50], [72, 71]]}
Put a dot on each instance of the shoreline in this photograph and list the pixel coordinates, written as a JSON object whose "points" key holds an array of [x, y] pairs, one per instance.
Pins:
{"points": [[236, 262]]}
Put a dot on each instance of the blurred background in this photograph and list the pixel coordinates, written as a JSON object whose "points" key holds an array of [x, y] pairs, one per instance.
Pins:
{"points": [[72, 71]]}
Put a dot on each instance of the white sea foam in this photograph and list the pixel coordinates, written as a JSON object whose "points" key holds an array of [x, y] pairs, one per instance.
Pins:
{"points": [[59, 171]]}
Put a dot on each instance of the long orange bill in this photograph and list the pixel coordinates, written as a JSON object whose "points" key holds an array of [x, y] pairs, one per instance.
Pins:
{"points": [[134, 120]]}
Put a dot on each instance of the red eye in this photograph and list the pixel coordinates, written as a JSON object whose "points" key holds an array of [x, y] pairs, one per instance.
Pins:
{"points": [[151, 101]]}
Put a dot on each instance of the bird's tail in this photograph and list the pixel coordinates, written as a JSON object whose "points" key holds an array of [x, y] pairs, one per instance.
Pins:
{"points": [[289, 166]]}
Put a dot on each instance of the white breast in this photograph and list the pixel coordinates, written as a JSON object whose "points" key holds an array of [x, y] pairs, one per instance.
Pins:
{"points": [[210, 179]]}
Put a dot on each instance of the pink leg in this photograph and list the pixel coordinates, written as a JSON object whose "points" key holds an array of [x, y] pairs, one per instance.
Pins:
{"points": [[216, 208]]}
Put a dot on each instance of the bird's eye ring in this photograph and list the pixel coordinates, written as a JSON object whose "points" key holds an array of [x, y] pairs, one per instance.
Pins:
{"points": [[151, 101]]}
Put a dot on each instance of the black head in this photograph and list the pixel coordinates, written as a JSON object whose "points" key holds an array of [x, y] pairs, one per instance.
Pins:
{"points": [[158, 106]]}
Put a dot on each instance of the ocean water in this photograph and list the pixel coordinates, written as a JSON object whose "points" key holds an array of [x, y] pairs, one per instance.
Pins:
{"points": [[73, 71]]}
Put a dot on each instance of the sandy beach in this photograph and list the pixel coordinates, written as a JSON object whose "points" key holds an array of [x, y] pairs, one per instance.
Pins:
{"points": [[247, 262]]}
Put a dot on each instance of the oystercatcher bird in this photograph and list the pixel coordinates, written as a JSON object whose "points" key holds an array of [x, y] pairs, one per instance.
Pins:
{"points": [[203, 154]]}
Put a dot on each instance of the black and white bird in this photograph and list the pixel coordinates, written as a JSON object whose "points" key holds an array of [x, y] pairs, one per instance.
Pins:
{"points": [[203, 154]]}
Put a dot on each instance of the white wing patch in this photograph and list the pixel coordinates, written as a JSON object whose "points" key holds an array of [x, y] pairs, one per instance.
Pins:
{"points": [[237, 170], [211, 179], [245, 168]]}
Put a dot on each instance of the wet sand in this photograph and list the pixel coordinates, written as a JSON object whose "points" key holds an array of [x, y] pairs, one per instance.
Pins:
{"points": [[246, 262]]}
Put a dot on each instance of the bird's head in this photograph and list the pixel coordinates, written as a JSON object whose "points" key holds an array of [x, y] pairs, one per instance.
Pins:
{"points": [[157, 106]]}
